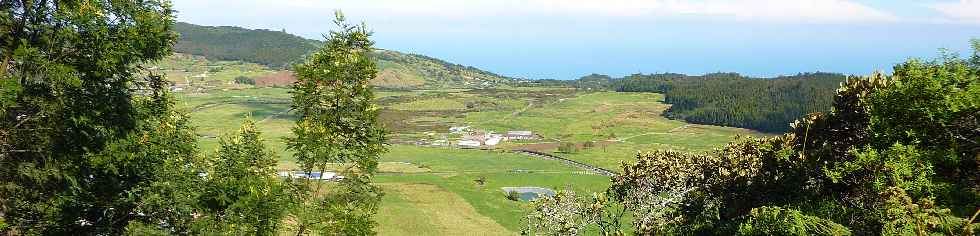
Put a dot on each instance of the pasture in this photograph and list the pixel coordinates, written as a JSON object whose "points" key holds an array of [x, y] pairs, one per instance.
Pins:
{"points": [[445, 190]]}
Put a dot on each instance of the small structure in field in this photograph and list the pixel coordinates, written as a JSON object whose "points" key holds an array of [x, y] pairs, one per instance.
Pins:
{"points": [[519, 135], [494, 140], [476, 136], [459, 129], [468, 144], [315, 175]]}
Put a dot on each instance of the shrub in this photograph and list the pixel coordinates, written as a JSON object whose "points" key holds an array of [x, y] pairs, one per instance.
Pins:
{"points": [[779, 221], [513, 196], [567, 148], [244, 80]]}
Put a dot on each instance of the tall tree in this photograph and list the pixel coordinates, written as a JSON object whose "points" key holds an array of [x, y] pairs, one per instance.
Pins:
{"points": [[338, 125], [76, 152], [242, 193]]}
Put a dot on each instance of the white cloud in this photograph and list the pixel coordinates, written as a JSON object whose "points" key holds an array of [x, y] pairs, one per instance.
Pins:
{"points": [[962, 11], [810, 11], [817, 11]]}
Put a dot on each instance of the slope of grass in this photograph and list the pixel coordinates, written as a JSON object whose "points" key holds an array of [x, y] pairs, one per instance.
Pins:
{"points": [[425, 209]]}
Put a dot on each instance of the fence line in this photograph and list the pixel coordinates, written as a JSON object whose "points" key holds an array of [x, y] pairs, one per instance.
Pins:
{"points": [[546, 156]]}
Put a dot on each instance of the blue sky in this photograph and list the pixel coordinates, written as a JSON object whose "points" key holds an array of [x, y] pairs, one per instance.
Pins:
{"points": [[565, 39]]}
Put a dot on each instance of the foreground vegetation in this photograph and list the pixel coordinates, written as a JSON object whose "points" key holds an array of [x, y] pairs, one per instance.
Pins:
{"points": [[897, 155]]}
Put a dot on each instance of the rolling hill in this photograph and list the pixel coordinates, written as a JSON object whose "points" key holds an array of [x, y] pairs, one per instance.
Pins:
{"points": [[278, 50]]}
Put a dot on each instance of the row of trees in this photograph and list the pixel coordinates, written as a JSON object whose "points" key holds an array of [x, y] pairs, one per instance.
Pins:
{"points": [[92, 144], [896, 155], [733, 100]]}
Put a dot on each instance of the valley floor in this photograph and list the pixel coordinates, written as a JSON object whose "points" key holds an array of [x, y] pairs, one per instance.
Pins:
{"points": [[432, 189]]}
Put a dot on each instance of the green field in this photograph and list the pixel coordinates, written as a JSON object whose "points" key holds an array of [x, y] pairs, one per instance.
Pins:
{"points": [[432, 190]]}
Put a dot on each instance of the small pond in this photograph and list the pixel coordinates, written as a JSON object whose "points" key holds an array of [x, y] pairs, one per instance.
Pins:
{"points": [[529, 193]]}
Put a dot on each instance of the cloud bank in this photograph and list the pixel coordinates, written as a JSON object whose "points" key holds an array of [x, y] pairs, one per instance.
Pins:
{"points": [[961, 11], [809, 11]]}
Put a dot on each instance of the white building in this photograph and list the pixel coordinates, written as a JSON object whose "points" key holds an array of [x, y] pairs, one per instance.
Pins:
{"points": [[458, 129], [468, 144], [519, 135], [494, 140]]}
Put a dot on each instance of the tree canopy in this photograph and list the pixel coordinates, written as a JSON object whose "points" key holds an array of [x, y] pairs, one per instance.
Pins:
{"points": [[338, 124], [730, 99]]}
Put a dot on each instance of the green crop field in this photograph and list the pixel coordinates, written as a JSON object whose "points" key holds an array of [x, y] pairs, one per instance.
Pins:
{"points": [[433, 190]]}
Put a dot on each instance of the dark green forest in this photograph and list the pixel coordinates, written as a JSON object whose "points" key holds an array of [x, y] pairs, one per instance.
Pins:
{"points": [[730, 99], [275, 49]]}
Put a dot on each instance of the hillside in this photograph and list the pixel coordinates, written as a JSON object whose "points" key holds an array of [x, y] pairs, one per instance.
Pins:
{"points": [[278, 50]]}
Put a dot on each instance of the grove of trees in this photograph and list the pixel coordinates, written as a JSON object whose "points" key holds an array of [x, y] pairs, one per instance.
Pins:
{"points": [[271, 48], [730, 99], [91, 143]]}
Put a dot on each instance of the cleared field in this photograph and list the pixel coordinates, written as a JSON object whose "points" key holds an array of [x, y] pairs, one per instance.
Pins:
{"points": [[425, 209], [457, 170]]}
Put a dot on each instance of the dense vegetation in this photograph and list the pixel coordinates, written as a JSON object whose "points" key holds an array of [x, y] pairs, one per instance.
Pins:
{"points": [[733, 100], [278, 49], [337, 124], [91, 142], [897, 155]]}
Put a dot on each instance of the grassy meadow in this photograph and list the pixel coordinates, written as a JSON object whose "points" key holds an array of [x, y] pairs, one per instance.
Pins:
{"points": [[433, 190]]}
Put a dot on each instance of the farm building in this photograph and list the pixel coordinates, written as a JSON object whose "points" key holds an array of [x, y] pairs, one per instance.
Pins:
{"points": [[476, 136], [519, 135], [493, 140], [468, 144]]}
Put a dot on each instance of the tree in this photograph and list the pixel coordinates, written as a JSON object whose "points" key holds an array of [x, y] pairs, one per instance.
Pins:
{"points": [[243, 194], [338, 124], [85, 145], [567, 147]]}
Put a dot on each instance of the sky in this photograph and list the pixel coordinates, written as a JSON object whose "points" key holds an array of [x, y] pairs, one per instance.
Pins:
{"points": [[567, 39]]}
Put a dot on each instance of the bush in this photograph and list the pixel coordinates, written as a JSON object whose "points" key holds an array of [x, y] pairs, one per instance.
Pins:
{"points": [[567, 148], [513, 196], [244, 80], [778, 221]]}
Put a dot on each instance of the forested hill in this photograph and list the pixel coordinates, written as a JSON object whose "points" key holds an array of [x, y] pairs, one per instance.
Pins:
{"points": [[278, 50], [731, 99], [272, 48]]}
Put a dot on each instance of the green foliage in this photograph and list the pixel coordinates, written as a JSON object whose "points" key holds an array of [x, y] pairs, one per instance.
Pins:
{"points": [[568, 214], [242, 193], [79, 154], [567, 147], [513, 196], [338, 124], [245, 80], [779, 221], [733, 100], [894, 156]]}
